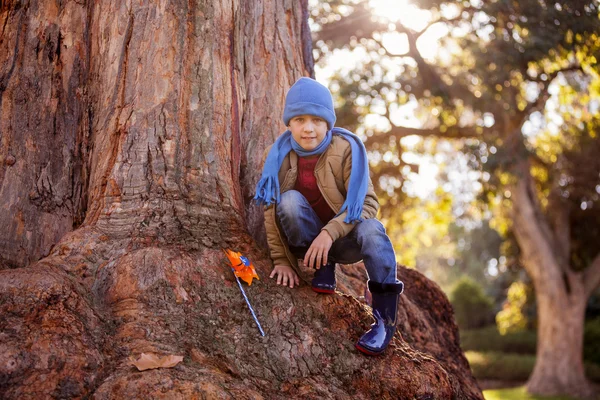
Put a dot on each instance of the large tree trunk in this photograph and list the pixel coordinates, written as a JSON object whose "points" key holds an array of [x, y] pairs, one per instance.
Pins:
{"points": [[44, 125], [561, 297], [559, 362], [142, 125]]}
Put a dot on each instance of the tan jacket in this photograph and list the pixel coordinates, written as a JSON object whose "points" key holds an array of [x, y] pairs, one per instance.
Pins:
{"points": [[333, 175]]}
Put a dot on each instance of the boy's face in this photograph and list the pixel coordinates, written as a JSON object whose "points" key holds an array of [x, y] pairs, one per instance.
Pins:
{"points": [[308, 130]]}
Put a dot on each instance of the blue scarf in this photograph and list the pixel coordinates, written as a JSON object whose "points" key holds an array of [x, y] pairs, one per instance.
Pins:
{"points": [[268, 191]]}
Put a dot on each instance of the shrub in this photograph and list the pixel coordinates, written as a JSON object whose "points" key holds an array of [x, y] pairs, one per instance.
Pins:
{"points": [[489, 339], [591, 341], [502, 366], [472, 308], [512, 319], [592, 371], [511, 367]]}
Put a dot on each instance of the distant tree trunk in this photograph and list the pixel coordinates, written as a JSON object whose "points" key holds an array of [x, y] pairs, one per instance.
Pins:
{"points": [[559, 363], [561, 295], [132, 133]]}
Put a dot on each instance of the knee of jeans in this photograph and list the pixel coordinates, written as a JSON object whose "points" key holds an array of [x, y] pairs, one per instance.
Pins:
{"points": [[290, 203], [370, 227]]}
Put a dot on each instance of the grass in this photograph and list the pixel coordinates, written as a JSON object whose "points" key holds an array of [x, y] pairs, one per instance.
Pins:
{"points": [[519, 393]]}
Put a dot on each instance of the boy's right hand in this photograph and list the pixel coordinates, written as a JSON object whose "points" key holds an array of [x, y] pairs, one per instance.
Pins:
{"points": [[286, 275]]}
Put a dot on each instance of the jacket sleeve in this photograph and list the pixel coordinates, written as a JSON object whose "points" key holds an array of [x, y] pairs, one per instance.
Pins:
{"points": [[276, 246], [337, 228], [274, 241]]}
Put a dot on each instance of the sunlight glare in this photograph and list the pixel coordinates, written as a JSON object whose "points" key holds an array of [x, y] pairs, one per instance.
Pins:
{"points": [[413, 18], [401, 11]]}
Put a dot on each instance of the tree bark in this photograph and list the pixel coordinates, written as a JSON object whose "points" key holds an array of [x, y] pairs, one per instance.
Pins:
{"points": [[559, 357], [131, 135], [44, 126], [561, 300]]}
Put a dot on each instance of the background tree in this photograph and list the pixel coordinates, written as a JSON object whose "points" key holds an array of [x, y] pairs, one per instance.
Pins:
{"points": [[472, 307], [488, 87], [133, 131]]}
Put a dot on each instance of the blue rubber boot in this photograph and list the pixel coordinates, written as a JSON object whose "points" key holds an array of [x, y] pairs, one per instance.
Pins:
{"points": [[385, 310], [324, 279]]}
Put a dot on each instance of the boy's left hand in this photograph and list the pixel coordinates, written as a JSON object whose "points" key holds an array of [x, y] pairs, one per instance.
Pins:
{"points": [[316, 256]]}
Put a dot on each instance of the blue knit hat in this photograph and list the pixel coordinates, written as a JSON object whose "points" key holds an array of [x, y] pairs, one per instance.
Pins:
{"points": [[309, 97]]}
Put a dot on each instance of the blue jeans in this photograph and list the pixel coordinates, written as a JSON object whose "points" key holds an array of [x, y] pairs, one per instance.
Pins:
{"points": [[367, 241]]}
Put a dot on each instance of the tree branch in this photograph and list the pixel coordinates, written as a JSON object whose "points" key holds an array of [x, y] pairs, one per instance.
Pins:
{"points": [[539, 259], [550, 78], [357, 21], [453, 132], [388, 52], [540, 102], [558, 239], [417, 34], [430, 78], [558, 211]]}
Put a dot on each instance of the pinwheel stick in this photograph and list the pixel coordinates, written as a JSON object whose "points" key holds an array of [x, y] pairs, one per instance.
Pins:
{"points": [[248, 302]]}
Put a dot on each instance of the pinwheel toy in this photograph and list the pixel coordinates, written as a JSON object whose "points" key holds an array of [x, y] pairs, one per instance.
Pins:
{"points": [[243, 268]]}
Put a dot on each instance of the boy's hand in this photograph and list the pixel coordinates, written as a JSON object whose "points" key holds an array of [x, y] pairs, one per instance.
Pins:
{"points": [[316, 256], [285, 275]]}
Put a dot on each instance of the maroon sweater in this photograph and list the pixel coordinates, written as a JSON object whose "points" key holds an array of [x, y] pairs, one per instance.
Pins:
{"points": [[306, 183]]}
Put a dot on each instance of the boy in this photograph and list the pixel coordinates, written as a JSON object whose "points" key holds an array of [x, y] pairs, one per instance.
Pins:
{"points": [[320, 206]]}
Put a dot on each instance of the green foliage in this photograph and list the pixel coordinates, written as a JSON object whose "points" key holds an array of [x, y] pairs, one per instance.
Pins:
{"points": [[591, 341], [488, 83], [478, 255], [512, 367], [581, 169], [512, 319], [489, 339], [593, 306], [420, 235], [425, 235], [472, 308], [514, 87], [501, 366]]}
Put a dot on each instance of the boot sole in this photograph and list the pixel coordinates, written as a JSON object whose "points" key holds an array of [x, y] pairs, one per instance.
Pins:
{"points": [[324, 291], [367, 351]]}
